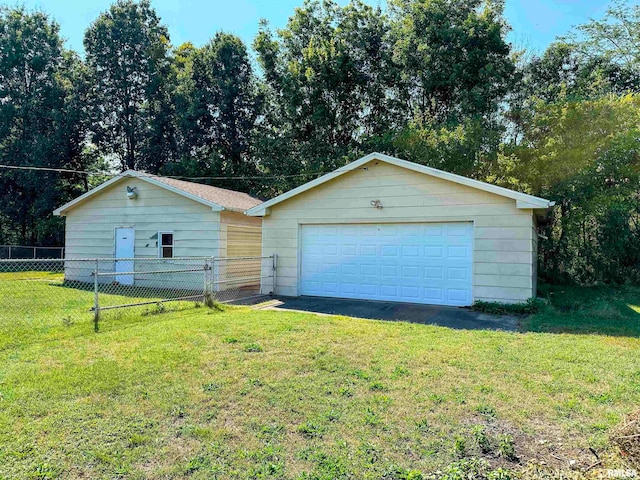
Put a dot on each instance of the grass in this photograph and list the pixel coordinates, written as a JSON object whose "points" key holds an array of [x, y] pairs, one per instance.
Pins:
{"points": [[598, 310], [243, 393]]}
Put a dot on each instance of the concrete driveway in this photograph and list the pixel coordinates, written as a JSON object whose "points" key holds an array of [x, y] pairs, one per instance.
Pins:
{"points": [[452, 317]]}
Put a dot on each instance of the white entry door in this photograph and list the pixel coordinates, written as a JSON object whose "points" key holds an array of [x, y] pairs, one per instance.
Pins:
{"points": [[125, 241], [404, 262]]}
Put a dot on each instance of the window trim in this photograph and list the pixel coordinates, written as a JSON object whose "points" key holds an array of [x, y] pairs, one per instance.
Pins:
{"points": [[160, 245]]}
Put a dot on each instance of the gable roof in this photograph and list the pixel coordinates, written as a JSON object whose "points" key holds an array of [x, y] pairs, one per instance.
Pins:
{"points": [[217, 198], [522, 199]]}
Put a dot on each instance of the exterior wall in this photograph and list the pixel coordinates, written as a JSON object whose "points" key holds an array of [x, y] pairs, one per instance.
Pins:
{"points": [[90, 227], [240, 236], [503, 241], [534, 257], [245, 238]]}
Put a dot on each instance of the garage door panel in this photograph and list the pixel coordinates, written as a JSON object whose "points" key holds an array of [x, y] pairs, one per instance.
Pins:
{"points": [[434, 272], [349, 288], [423, 263], [368, 250], [349, 249], [433, 230], [433, 295], [411, 251], [367, 289]]}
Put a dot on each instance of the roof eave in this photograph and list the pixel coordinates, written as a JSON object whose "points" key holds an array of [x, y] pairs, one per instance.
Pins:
{"points": [[61, 211], [523, 200]]}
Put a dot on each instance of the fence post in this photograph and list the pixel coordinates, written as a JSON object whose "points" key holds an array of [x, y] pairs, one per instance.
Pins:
{"points": [[274, 266], [96, 304], [208, 271]]}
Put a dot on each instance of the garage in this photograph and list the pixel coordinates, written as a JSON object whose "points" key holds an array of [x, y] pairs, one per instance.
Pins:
{"points": [[403, 262], [383, 228]]}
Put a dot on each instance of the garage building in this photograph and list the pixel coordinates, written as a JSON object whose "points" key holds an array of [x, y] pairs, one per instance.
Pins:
{"points": [[382, 228], [136, 215]]}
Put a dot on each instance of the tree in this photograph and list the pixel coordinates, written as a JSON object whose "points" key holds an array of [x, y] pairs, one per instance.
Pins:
{"points": [[455, 71], [584, 155], [220, 105], [616, 37], [328, 76], [42, 124], [454, 61], [127, 53]]}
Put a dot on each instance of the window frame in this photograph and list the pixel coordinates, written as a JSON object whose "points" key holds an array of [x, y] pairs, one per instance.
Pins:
{"points": [[161, 246]]}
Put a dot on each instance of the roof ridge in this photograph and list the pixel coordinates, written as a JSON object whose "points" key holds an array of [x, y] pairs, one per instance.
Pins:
{"points": [[217, 198], [192, 183]]}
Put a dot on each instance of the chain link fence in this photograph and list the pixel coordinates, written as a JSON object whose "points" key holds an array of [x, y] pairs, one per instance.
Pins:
{"points": [[24, 252], [38, 292]]}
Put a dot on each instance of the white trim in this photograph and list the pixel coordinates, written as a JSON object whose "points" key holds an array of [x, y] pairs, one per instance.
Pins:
{"points": [[142, 176], [523, 200], [160, 244]]}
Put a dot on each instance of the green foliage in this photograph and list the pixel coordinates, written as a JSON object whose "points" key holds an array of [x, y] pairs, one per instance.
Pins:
{"points": [[218, 102], [252, 348], [327, 76], [452, 59], [127, 53], [615, 37], [531, 306], [584, 155], [507, 447], [311, 429], [481, 439], [459, 446], [42, 88], [606, 310]]}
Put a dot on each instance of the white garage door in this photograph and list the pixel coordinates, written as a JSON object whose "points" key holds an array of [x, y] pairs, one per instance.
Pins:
{"points": [[403, 262]]}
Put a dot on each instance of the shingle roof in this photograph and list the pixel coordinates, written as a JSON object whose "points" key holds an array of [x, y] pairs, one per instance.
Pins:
{"points": [[229, 199], [215, 197]]}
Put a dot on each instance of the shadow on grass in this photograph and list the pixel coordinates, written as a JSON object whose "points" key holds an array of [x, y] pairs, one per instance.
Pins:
{"points": [[136, 294], [603, 310]]}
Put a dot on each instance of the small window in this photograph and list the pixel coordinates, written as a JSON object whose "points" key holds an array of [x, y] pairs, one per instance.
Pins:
{"points": [[165, 246]]}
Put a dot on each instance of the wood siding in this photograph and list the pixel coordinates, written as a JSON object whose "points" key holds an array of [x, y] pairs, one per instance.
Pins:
{"points": [[241, 236], [503, 235], [90, 227]]}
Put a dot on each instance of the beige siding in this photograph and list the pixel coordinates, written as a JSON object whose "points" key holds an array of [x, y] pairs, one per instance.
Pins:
{"points": [[240, 235], [503, 244], [90, 227], [534, 257]]}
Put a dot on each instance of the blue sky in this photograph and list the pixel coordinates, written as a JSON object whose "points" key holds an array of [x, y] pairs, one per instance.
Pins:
{"points": [[535, 22]]}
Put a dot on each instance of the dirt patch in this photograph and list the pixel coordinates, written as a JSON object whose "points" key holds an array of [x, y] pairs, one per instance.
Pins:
{"points": [[548, 449], [627, 438]]}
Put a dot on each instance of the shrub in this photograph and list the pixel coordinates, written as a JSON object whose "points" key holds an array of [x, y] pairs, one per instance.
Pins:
{"points": [[531, 306]]}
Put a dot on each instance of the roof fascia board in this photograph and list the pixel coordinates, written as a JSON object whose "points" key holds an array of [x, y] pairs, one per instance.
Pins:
{"points": [[133, 174], [523, 200]]}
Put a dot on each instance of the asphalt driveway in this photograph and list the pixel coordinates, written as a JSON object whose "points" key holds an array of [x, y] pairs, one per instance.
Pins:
{"points": [[452, 317]]}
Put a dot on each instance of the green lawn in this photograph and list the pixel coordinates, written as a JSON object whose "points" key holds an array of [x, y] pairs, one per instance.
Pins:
{"points": [[242, 393]]}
